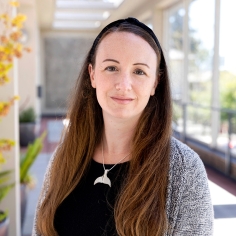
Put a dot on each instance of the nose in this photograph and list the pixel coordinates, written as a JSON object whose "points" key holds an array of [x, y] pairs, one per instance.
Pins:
{"points": [[124, 82]]}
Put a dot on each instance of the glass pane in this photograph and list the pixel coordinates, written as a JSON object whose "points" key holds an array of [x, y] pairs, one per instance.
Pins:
{"points": [[177, 117], [201, 43], [176, 55], [233, 137], [222, 139], [199, 124], [227, 55], [227, 65], [223, 136]]}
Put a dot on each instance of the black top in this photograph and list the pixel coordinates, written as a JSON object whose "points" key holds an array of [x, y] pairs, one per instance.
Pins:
{"points": [[88, 210]]}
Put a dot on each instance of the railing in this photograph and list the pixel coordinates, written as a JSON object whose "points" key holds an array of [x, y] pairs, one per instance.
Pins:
{"points": [[211, 126]]}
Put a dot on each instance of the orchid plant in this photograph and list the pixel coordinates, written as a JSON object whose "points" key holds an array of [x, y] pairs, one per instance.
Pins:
{"points": [[10, 48]]}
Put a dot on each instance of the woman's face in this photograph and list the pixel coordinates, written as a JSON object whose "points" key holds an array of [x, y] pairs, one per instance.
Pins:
{"points": [[124, 75]]}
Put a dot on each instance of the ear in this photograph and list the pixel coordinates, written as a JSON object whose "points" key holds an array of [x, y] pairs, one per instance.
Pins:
{"points": [[154, 86], [91, 74]]}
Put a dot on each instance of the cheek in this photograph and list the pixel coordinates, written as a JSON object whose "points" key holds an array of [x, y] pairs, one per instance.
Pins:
{"points": [[147, 89], [101, 89], [99, 97], [100, 84], [103, 82]]}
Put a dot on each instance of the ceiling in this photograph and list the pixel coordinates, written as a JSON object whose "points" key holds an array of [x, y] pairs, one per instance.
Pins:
{"points": [[91, 15]]}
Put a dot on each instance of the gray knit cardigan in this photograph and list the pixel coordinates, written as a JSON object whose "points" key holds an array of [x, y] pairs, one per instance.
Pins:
{"points": [[188, 204]]}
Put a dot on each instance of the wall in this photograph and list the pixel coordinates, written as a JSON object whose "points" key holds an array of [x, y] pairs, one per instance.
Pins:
{"points": [[29, 70], [63, 59]]}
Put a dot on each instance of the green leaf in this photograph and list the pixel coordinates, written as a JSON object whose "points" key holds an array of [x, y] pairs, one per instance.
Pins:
{"points": [[27, 115], [4, 190], [31, 154], [4, 176], [3, 215]]}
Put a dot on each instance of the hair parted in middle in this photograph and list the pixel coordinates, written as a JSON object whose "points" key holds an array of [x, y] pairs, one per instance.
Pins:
{"points": [[140, 206]]}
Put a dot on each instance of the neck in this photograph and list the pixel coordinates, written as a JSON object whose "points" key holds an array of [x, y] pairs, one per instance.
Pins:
{"points": [[117, 141]]}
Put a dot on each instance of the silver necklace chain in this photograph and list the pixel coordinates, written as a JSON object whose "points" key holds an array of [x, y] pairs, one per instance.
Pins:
{"points": [[115, 164], [104, 179]]}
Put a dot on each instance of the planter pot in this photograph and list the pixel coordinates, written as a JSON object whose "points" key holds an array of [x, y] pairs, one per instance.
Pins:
{"points": [[23, 202], [4, 226], [27, 133]]}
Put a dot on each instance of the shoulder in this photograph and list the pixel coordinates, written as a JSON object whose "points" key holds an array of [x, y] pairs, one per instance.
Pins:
{"points": [[186, 174], [183, 157], [186, 169], [188, 204]]}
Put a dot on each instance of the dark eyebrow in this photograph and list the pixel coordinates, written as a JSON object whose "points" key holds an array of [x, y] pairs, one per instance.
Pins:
{"points": [[143, 64], [111, 60]]}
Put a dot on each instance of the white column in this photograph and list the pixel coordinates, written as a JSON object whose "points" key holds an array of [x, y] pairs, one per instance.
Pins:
{"points": [[9, 129], [29, 70], [29, 64], [215, 102], [185, 91]]}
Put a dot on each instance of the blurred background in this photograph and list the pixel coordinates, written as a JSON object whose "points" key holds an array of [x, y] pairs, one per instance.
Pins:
{"points": [[199, 45]]}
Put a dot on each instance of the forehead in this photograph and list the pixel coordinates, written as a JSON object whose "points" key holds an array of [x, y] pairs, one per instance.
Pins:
{"points": [[127, 44]]}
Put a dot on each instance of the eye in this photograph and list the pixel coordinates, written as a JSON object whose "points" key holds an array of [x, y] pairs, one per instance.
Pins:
{"points": [[139, 72], [111, 68]]}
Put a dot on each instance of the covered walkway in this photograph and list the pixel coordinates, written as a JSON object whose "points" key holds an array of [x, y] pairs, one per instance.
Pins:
{"points": [[223, 189]]}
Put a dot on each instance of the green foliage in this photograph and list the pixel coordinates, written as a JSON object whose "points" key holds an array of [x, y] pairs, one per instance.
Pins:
{"points": [[4, 190], [201, 93], [3, 215], [5, 187], [176, 39], [27, 115], [4, 176], [227, 92], [199, 115], [28, 159]]}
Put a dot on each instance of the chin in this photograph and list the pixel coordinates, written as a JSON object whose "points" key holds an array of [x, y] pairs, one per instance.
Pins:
{"points": [[126, 115]]}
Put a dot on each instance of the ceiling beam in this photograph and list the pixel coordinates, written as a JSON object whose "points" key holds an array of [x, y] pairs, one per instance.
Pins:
{"points": [[140, 9]]}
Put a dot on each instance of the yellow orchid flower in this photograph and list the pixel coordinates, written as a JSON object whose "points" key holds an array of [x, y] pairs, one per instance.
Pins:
{"points": [[4, 79], [18, 21], [2, 159], [5, 17], [9, 47], [14, 3], [16, 97]]}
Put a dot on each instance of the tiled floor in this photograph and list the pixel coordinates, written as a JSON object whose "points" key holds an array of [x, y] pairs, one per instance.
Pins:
{"points": [[223, 190]]}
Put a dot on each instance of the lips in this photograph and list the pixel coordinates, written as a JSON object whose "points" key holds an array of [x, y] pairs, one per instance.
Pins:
{"points": [[122, 100]]}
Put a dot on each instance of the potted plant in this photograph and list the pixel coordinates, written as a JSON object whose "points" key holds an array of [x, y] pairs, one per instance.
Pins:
{"points": [[27, 120], [5, 186], [26, 179]]}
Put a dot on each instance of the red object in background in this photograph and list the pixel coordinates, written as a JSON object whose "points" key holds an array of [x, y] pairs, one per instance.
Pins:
{"points": [[231, 145]]}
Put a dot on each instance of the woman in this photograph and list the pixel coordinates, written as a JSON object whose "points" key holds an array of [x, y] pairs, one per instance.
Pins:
{"points": [[117, 171]]}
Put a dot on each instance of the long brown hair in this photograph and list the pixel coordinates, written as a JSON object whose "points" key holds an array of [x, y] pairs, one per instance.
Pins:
{"points": [[140, 206]]}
